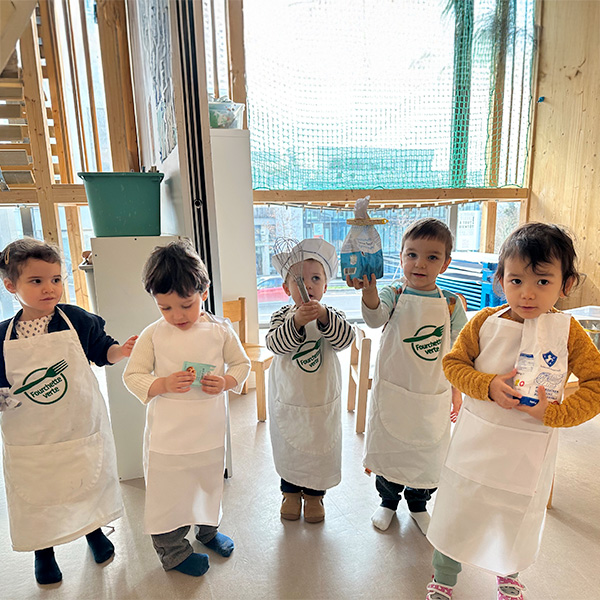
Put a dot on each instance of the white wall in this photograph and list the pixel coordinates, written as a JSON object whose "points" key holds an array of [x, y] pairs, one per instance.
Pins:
{"points": [[235, 219]]}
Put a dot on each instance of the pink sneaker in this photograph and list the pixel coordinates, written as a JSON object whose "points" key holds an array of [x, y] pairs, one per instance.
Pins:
{"points": [[509, 588], [437, 591]]}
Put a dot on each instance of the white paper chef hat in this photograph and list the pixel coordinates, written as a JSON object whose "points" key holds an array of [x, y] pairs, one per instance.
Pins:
{"points": [[314, 248]]}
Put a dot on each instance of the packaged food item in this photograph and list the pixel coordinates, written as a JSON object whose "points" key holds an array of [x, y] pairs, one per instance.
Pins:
{"points": [[361, 252], [199, 370], [543, 357]]}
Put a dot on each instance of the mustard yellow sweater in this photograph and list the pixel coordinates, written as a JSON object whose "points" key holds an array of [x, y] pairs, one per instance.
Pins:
{"points": [[584, 362]]}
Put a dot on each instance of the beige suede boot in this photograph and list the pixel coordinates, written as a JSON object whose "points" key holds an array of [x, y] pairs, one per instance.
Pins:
{"points": [[314, 511], [291, 506]]}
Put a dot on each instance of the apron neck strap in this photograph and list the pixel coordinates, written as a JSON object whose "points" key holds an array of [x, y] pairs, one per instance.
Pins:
{"points": [[439, 291], [12, 321], [501, 312], [64, 316]]}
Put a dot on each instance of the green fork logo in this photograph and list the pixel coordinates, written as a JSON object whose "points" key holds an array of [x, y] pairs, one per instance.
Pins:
{"points": [[309, 356], [426, 342], [46, 385]]}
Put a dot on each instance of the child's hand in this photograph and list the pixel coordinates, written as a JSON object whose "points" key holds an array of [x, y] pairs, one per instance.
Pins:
{"points": [[307, 312], [364, 284], [127, 347], [456, 404], [502, 392], [370, 296], [179, 382], [116, 353], [537, 411], [213, 384]]}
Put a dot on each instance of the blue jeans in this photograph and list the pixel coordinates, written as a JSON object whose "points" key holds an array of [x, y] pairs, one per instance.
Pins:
{"points": [[391, 493]]}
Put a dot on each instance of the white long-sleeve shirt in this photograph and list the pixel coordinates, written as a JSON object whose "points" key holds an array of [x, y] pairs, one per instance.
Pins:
{"points": [[139, 373]]}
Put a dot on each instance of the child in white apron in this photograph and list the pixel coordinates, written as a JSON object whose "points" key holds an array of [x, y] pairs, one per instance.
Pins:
{"points": [[305, 382], [498, 472], [408, 429], [181, 367], [59, 456]]}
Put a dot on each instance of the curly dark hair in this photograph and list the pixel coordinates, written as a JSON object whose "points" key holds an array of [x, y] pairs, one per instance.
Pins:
{"points": [[538, 244], [17, 253], [177, 268]]}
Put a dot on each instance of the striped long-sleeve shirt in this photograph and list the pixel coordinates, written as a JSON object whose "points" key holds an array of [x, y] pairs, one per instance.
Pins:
{"points": [[283, 337]]}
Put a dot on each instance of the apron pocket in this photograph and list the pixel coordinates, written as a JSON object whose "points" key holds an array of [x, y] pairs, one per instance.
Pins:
{"points": [[187, 426], [417, 419], [309, 429], [497, 456], [52, 474]]}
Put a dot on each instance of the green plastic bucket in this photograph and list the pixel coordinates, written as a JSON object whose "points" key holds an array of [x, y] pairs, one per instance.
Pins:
{"points": [[123, 204]]}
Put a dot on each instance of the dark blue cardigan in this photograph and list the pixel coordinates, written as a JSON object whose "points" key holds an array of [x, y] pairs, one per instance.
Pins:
{"points": [[90, 329]]}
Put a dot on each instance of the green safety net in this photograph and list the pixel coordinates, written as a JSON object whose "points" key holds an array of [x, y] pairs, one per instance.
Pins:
{"points": [[367, 94]]}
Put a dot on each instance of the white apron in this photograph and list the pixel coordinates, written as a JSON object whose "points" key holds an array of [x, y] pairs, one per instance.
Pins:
{"points": [[305, 413], [491, 503], [59, 456], [408, 429], [184, 439]]}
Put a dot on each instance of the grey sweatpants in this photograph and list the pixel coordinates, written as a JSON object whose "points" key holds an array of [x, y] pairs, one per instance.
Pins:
{"points": [[173, 547]]}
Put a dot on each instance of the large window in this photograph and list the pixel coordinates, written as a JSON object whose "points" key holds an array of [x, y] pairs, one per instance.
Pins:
{"points": [[364, 94], [272, 222]]}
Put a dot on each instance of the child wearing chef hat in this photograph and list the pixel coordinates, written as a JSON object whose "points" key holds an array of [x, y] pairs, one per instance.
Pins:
{"points": [[305, 380]]}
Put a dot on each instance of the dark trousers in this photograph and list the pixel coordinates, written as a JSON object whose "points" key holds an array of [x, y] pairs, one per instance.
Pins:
{"points": [[173, 548], [290, 488], [391, 493]]}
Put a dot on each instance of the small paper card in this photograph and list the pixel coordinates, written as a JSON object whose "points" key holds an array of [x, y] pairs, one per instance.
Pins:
{"points": [[199, 370]]}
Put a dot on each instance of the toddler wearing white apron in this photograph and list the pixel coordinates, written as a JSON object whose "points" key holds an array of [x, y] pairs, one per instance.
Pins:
{"points": [[59, 455], [305, 382], [408, 428], [184, 438], [498, 473]]}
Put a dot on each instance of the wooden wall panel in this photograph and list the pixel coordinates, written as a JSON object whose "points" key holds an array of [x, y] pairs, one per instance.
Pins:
{"points": [[565, 185]]}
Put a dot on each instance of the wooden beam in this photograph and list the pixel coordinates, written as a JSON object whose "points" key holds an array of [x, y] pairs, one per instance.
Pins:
{"points": [[11, 89], [11, 111], [13, 157], [17, 146], [341, 198], [76, 248], [38, 132], [28, 196], [488, 226], [13, 133], [55, 81], [90, 86], [112, 30], [70, 193], [15, 18], [237, 58]]}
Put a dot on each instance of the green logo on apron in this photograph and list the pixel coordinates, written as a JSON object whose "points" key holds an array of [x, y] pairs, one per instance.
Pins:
{"points": [[46, 385], [309, 356], [426, 342]]}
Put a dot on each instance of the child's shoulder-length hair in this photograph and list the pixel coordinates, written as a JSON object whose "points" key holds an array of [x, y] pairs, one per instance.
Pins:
{"points": [[537, 244], [17, 253]]}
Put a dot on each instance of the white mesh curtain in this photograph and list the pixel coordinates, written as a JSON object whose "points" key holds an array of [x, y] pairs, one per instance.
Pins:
{"points": [[346, 94]]}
